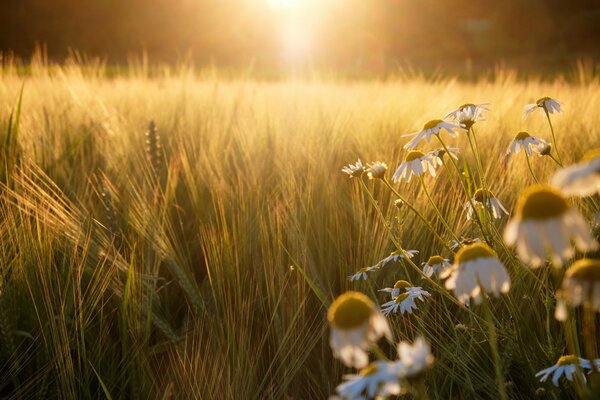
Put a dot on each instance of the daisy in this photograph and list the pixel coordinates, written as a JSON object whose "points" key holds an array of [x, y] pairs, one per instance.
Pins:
{"points": [[581, 179], [484, 197], [398, 286], [354, 170], [580, 286], [416, 163], [362, 273], [433, 127], [377, 379], [396, 256], [377, 170], [405, 302], [355, 324], [523, 140], [415, 359], [437, 156], [545, 225], [435, 264], [476, 268], [567, 366], [547, 104], [468, 114]]}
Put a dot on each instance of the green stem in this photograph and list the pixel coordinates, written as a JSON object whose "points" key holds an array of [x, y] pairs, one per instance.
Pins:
{"points": [[437, 210], [553, 137], [529, 166], [494, 347]]}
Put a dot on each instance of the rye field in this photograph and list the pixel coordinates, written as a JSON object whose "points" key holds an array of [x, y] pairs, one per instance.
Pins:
{"points": [[185, 235]]}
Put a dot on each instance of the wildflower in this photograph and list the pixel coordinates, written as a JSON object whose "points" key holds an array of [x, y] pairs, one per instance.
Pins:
{"points": [[468, 114], [405, 302], [362, 273], [547, 104], [415, 359], [354, 170], [377, 379], [523, 140], [433, 127], [377, 170], [581, 179], [476, 268], [355, 324], [437, 156], [545, 224], [416, 163], [580, 286], [435, 264], [544, 149], [396, 256], [398, 286], [567, 366], [454, 245], [486, 198]]}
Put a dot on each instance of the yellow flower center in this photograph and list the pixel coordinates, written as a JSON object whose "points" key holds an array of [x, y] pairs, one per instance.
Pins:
{"points": [[522, 135], [474, 251], [413, 155], [401, 284], [431, 124], [466, 105], [368, 370], [591, 154], [401, 297], [350, 310], [541, 102], [586, 269], [433, 260], [482, 194], [541, 202], [363, 269], [567, 360]]}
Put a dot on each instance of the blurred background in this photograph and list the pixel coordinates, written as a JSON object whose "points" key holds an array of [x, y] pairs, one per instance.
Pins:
{"points": [[371, 36]]}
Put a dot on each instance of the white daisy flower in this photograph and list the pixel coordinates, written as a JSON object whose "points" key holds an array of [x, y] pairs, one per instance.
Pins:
{"points": [[354, 170], [437, 155], [476, 268], [377, 170], [567, 366], [405, 302], [545, 225], [416, 163], [377, 379], [397, 256], [547, 104], [581, 179], [397, 289], [468, 114], [433, 127], [484, 197], [415, 359], [580, 286], [355, 324], [435, 264], [362, 273], [524, 141]]}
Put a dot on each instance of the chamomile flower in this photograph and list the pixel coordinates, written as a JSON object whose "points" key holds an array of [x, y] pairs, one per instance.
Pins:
{"points": [[580, 286], [362, 273], [547, 104], [415, 359], [433, 127], [355, 323], [581, 179], [397, 256], [397, 289], [415, 163], [354, 170], [468, 114], [377, 170], [476, 268], [435, 264], [567, 366], [405, 302], [437, 155], [524, 141], [484, 197], [377, 379], [544, 225]]}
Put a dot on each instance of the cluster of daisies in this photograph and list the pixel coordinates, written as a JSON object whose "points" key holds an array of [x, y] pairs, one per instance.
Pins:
{"points": [[544, 230]]}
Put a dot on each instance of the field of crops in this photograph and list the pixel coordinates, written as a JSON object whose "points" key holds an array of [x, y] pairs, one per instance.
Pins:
{"points": [[183, 235]]}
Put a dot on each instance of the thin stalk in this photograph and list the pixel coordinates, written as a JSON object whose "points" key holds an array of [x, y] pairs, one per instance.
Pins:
{"points": [[475, 148], [553, 137], [494, 347], [437, 210], [529, 166]]}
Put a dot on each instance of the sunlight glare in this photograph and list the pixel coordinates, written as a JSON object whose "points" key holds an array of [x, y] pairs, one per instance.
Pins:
{"points": [[282, 4]]}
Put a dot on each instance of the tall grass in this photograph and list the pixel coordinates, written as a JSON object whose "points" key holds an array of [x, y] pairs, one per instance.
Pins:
{"points": [[196, 258]]}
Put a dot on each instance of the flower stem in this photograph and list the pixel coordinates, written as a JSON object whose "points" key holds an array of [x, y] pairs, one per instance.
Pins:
{"points": [[553, 137], [529, 166], [437, 210], [494, 347]]}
